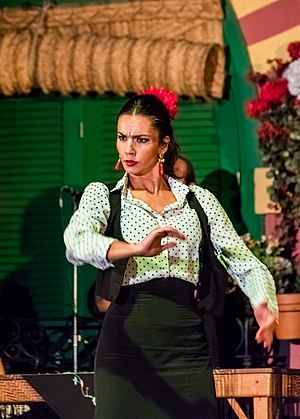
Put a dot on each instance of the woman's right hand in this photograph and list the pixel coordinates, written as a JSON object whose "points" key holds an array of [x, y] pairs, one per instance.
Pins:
{"points": [[266, 320], [149, 246], [152, 246]]}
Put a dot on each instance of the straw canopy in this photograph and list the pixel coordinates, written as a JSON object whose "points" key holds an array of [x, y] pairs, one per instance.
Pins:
{"points": [[116, 47]]}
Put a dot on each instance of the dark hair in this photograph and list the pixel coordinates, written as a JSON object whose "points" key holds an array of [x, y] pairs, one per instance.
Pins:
{"points": [[150, 106], [190, 173]]}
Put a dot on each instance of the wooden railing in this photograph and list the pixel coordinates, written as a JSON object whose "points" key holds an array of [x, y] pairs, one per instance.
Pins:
{"points": [[266, 386]]}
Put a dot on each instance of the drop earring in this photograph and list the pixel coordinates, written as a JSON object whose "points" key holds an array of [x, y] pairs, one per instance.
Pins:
{"points": [[117, 166], [161, 166]]}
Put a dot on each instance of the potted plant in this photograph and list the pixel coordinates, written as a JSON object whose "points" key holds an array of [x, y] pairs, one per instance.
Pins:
{"points": [[277, 107]]}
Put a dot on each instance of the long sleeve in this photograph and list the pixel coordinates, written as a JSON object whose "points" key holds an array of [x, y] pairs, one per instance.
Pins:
{"points": [[251, 275], [84, 236]]}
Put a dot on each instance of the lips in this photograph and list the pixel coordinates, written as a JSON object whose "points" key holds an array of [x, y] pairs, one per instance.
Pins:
{"points": [[130, 163]]}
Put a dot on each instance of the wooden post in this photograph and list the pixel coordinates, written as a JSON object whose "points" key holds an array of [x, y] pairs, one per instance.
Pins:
{"points": [[263, 408]]}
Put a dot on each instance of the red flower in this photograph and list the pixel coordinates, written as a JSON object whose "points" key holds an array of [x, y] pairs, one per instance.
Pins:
{"points": [[294, 50], [274, 91], [256, 107], [168, 98], [268, 131]]}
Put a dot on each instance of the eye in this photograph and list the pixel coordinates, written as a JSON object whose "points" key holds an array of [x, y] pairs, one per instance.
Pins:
{"points": [[142, 140], [121, 137]]}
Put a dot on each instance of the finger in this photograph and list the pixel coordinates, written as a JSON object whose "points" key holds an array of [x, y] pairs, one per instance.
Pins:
{"points": [[268, 343], [267, 346], [169, 231], [175, 233], [168, 246], [258, 337], [264, 337]]}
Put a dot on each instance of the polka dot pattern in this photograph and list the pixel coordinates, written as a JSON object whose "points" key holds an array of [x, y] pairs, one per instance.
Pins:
{"points": [[182, 261], [84, 236], [86, 243]]}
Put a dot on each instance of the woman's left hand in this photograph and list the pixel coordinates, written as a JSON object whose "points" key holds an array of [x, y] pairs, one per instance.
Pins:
{"points": [[266, 320]]}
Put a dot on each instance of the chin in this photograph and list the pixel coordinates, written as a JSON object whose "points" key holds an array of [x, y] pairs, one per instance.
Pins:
{"points": [[132, 171]]}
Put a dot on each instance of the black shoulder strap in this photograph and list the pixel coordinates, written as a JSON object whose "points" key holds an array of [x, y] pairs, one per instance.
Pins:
{"points": [[109, 281], [113, 228], [212, 285], [195, 204], [204, 278], [213, 276]]}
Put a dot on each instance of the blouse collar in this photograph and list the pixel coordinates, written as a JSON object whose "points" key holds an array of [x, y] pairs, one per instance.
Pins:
{"points": [[179, 189]]}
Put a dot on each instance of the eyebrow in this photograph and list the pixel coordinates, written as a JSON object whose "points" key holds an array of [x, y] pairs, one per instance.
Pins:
{"points": [[135, 136]]}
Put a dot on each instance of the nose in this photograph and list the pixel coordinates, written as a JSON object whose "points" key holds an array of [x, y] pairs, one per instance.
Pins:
{"points": [[129, 149]]}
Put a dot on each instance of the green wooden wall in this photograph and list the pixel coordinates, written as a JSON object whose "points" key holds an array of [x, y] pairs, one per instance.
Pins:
{"points": [[31, 172], [238, 136]]}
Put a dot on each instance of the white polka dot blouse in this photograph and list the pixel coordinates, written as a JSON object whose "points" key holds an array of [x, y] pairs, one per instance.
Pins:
{"points": [[86, 241]]}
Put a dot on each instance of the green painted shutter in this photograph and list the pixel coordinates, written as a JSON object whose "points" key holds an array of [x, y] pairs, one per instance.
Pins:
{"points": [[196, 131], [31, 162], [101, 153]]}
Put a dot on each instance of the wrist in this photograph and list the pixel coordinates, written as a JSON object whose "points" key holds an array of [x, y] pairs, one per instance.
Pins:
{"points": [[120, 250], [136, 249]]}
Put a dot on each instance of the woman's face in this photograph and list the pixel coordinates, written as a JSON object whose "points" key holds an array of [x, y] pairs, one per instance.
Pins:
{"points": [[138, 144], [180, 170]]}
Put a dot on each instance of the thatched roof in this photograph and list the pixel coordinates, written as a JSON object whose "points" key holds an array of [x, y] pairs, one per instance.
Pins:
{"points": [[118, 47]]}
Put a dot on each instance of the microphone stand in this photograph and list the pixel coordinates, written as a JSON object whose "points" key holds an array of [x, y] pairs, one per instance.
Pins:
{"points": [[76, 337]]}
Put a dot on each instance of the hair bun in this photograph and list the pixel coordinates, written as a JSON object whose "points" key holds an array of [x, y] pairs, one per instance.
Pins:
{"points": [[168, 98]]}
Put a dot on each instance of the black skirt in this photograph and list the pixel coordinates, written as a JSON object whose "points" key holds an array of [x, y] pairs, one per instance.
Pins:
{"points": [[152, 359]]}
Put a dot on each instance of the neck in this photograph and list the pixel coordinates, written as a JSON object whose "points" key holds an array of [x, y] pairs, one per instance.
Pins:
{"points": [[148, 184]]}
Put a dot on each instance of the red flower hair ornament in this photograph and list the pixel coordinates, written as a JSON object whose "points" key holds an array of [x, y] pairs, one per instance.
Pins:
{"points": [[168, 98]]}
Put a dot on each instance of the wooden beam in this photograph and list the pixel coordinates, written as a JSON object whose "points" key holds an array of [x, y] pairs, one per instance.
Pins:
{"points": [[236, 408]]}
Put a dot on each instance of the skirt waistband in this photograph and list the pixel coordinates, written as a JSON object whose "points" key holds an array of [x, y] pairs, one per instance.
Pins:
{"points": [[157, 286]]}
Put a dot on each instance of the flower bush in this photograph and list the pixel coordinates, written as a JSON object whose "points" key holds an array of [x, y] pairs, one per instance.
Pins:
{"points": [[277, 107]]}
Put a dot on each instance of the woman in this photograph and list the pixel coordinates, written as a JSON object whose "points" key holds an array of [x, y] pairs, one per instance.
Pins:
{"points": [[184, 171], [152, 358]]}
